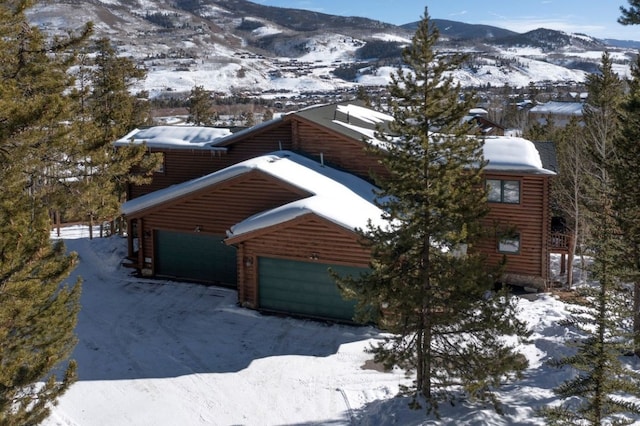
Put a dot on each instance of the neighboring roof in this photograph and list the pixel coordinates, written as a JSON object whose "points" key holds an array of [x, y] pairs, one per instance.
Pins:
{"points": [[338, 196], [547, 151], [249, 130], [513, 154], [478, 111], [351, 119], [485, 125], [176, 137], [559, 108]]}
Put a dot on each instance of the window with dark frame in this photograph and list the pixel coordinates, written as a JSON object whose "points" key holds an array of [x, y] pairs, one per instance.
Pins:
{"points": [[503, 191], [509, 244]]}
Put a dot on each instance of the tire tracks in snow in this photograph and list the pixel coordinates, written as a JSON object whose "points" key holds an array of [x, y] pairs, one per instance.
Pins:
{"points": [[352, 417]]}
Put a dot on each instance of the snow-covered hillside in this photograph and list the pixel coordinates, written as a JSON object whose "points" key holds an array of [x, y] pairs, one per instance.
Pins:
{"points": [[219, 48]]}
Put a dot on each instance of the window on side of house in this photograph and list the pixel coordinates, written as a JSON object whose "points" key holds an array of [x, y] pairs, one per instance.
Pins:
{"points": [[509, 244], [503, 191]]}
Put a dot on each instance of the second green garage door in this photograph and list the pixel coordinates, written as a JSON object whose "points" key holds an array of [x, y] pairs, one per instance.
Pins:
{"points": [[303, 288], [194, 256]]}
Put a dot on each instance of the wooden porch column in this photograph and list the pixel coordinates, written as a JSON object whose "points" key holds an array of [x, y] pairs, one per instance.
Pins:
{"points": [[130, 237]]}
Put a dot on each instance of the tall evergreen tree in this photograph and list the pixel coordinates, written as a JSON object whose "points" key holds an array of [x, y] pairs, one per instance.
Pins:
{"points": [[201, 112], [446, 322], [107, 110], [596, 395], [37, 313], [626, 175]]}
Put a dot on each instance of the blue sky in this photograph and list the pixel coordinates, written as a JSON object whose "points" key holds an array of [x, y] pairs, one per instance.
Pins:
{"points": [[596, 18]]}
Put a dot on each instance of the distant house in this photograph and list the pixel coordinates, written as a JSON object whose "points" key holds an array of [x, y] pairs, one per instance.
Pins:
{"points": [[558, 112], [485, 127], [273, 222]]}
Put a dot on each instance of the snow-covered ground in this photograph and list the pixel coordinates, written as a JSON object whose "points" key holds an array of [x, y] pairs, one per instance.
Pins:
{"points": [[155, 352]]}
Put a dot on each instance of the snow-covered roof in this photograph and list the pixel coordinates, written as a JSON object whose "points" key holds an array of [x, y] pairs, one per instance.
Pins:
{"points": [[339, 205], [361, 120], [342, 207], [175, 137], [337, 196], [478, 111], [242, 133], [364, 114], [513, 154], [348, 118], [559, 108]]}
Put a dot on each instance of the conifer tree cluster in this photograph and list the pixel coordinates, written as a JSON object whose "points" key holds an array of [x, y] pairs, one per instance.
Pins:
{"points": [[626, 175], [56, 153], [105, 110], [600, 390], [446, 322], [37, 310], [201, 112]]}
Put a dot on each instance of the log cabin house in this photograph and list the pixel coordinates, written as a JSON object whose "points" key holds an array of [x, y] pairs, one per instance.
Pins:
{"points": [[271, 226], [332, 134], [272, 234]]}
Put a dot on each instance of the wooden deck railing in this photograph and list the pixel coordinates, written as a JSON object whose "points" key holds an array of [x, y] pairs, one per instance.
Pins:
{"points": [[560, 242]]}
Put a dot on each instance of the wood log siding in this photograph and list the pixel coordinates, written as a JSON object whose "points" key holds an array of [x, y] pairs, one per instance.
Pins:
{"points": [[337, 151], [214, 210], [297, 240], [181, 165], [529, 218]]}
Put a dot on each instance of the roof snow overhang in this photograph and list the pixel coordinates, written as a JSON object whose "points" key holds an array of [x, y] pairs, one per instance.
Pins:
{"points": [[342, 191], [176, 137]]}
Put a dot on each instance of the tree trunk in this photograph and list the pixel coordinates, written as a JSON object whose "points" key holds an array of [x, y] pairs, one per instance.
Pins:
{"points": [[572, 252], [57, 216]]}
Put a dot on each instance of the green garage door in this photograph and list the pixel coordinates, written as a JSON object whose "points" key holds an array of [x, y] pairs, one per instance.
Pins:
{"points": [[303, 288], [195, 256]]}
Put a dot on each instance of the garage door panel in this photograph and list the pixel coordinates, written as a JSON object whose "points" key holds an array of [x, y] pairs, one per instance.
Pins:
{"points": [[304, 288], [195, 256]]}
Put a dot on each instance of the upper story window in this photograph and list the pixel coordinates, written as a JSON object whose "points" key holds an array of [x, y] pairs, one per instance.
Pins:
{"points": [[503, 191]]}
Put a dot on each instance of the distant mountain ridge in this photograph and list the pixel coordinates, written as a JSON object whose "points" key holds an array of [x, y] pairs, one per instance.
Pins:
{"points": [[462, 31], [239, 45], [551, 39]]}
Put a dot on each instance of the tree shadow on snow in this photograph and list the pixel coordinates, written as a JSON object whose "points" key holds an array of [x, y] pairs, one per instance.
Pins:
{"points": [[136, 328]]}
